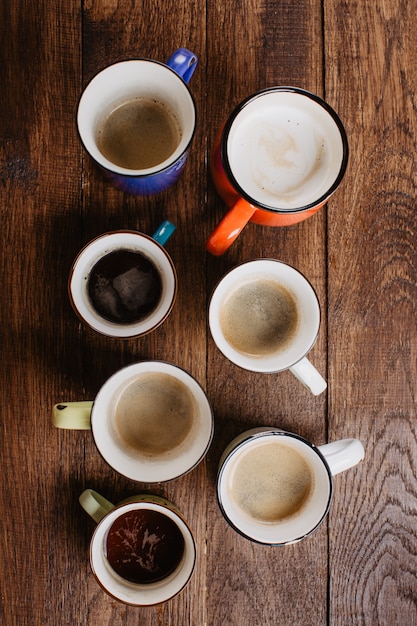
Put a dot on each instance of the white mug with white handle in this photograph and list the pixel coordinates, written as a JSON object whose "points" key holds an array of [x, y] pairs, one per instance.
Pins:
{"points": [[275, 487], [264, 316]]}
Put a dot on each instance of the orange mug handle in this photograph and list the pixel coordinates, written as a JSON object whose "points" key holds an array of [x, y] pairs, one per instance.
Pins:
{"points": [[228, 229]]}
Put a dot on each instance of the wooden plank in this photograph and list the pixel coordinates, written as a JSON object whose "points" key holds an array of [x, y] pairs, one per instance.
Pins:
{"points": [[273, 44], [40, 190], [113, 32], [372, 312]]}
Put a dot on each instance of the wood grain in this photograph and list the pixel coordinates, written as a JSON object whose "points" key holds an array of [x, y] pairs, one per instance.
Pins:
{"points": [[256, 577], [372, 313], [359, 253]]}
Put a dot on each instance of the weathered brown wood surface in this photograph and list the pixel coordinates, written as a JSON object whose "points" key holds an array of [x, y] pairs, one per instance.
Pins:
{"points": [[360, 253]]}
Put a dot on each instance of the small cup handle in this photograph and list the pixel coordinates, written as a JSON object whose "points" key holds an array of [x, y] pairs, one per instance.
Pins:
{"points": [[163, 232], [343, 454], [72, 415], [95, 505], [229, 227], [309, 376], [183, 62]]}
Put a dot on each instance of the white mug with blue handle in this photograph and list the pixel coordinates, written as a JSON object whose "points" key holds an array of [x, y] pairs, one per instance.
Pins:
{"points": [[165, 83]]}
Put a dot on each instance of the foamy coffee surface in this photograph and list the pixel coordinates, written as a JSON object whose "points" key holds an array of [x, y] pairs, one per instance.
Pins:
{"points": [[284, 150], [139, 133], [259, 318], [155, 414], [271, 482]]}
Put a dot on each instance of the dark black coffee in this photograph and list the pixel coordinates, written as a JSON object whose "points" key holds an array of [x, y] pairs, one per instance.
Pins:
{"points": [[124, 286], [144, 546]]}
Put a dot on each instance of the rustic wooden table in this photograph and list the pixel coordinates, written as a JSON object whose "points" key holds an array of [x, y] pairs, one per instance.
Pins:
{"points": [[360, 253]]}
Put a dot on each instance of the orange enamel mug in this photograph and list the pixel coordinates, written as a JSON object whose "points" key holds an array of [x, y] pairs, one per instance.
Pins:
{"points": [[280, 156]]}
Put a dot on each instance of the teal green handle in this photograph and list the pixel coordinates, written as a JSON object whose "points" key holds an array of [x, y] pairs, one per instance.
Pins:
{"points": [[163, 232]]}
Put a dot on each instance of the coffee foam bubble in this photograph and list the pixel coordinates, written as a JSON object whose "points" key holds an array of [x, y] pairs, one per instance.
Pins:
{"points": [[285, 150]]}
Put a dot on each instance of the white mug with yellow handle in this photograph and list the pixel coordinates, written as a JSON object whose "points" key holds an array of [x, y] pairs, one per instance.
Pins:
{"points": [[151, 421], [142, 551]]}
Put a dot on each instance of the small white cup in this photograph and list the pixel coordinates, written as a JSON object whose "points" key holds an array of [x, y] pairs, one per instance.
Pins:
{"points": [[290, 356], [323, 463], [134, 460], [152, 249], [105, 514]]}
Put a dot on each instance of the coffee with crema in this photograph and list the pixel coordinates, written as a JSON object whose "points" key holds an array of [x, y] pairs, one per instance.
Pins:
{"points": [[270, 482], [155, 415], [259, 317], [138, 134]]}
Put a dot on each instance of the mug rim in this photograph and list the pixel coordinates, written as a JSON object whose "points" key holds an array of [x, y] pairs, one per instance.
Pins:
{"points": [[142, 173], [226, 163], [232, 351], [175, 514], [106, 327], [259, 433], [145, 364]]}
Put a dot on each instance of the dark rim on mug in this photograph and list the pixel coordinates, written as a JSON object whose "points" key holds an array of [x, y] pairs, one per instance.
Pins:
{"points": [[226, 163], [243, 443]]}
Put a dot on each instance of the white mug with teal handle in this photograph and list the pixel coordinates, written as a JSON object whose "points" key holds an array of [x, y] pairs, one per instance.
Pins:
{"points": [[142, 551], [124, 284]]}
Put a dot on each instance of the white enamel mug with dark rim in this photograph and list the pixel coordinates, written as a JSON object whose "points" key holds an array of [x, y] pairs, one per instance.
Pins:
{"points": [[324, 461], [294, 355], [104, 513], [150, 247]]}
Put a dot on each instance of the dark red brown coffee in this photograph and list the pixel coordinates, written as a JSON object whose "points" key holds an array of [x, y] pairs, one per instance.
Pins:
{"points": [[124, 286], [144, 546]]}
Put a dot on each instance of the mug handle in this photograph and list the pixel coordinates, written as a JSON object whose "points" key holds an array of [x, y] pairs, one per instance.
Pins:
{"points": [[343, 454], [309, 376], [163, 232], [229, 227], [95, 505], [183, 62], [72, 415]]}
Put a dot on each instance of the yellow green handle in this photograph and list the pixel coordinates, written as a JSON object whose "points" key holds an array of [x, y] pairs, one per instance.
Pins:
{"points": [[72, 415], [95, 505]]}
